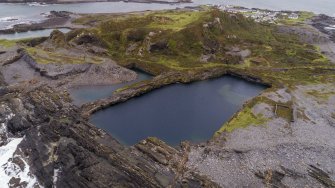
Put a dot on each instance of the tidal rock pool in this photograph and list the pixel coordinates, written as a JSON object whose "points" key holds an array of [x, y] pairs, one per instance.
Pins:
{"points": [[177, 112]]}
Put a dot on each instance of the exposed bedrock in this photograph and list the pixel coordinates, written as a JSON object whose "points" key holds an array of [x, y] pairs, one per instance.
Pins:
{"points": [[17, 66], [322, 23], [66, 151]]}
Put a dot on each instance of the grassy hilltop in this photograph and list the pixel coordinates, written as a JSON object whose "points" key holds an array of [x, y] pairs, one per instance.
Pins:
{"points": [[183, 40]]}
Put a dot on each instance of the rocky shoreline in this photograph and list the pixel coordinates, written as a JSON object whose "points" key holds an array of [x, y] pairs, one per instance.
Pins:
{"points": [[90, 1], [54, 145], [56, 19]]}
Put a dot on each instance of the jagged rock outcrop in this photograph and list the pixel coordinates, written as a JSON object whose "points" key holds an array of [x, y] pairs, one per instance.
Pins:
{"points": [[322, 22], [65, 150]]}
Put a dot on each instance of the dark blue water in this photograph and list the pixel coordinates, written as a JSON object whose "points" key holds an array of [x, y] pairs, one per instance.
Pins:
{"points": [[84, 94], [178, 112]]}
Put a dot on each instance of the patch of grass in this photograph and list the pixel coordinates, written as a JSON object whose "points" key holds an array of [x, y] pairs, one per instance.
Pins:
{"points": [[7, 43], [285, 112], [256, 61], [319, 95], [65, 120], [90, 19], [322, 58], [303, 16], [44, 57], [96, 19], [175, 20], [242, 119], [173, 64]]}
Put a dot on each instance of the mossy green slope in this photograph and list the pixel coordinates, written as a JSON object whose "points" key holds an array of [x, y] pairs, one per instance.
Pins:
{"points": [[182, 37]]}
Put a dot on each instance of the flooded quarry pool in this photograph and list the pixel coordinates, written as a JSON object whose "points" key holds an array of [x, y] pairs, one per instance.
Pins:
{"points": [[84, 94], [177, 112], [31, 34]]}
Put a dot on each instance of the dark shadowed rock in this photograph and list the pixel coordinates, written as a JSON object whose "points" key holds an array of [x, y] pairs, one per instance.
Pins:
{"points": [[18, 124], [137, 35], [88, 39], [57, 37], [158, 46]]}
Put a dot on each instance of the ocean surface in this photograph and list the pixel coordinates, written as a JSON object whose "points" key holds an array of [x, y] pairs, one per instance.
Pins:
{"points": [[11, 14]]}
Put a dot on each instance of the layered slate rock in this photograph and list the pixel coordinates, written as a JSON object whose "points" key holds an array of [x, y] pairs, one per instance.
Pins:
{"points": [[66, 151]]}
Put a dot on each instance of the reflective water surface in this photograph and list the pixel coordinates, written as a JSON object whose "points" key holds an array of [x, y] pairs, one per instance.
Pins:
{"points": [[178, 112], [30, 34]]}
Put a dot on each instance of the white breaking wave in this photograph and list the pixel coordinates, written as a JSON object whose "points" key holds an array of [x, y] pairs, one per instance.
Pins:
{"points": [[9, 170], [331, 27], [37, 4], [16, 23], [55, 176], [9, 19]]}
